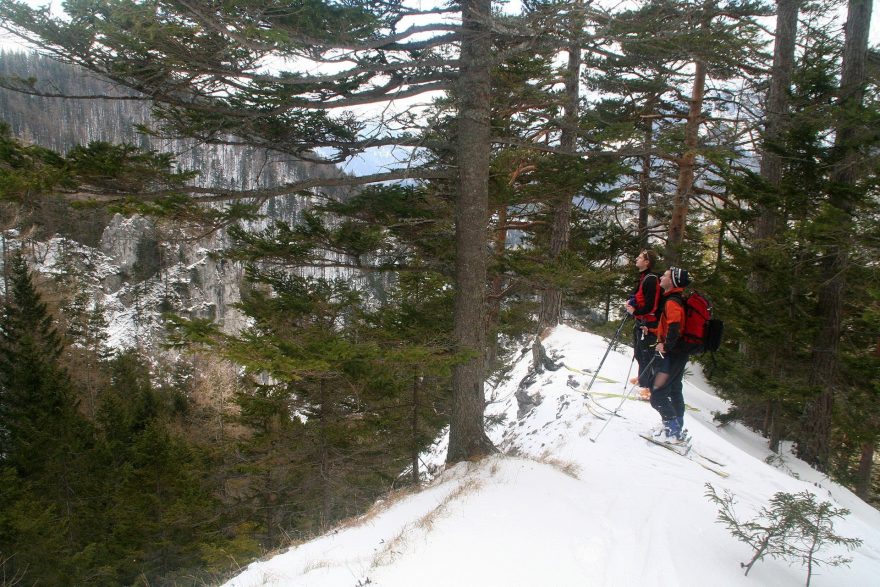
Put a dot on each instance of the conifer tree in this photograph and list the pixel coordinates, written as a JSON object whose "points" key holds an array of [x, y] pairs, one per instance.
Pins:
{"points": [[670, 51], [845, 194], [770, 384], [33, 389], [340, 395], [561, 203], [42, 437], [768, 222], [154, 503]]}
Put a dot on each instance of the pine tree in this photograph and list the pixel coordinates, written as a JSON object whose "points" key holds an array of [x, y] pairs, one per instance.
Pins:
{"points": [[771, 383], [151, 513], [32, 387], [671, 71], [844, 196], [341, 392], [43, 439]]}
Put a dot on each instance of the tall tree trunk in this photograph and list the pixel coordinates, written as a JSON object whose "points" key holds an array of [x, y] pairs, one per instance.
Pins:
{"points": [[551, 297], [686, 164], [414, 428], [719, 244], [814, 444], [496, 290], [773, 428], [467, 438], [560, 231], [866, 467], [776, 117], [765, 228], [324, 454], [645, 181]]}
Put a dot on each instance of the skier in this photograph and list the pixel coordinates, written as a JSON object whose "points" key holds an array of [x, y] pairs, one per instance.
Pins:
{"points": [[666, 388], [643, 306]]}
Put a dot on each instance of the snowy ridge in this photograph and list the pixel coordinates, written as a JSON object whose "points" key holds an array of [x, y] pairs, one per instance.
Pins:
{"points": [[558, 509]]}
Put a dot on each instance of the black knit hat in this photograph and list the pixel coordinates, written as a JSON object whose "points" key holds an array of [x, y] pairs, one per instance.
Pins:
{"points": [[680, 277]]}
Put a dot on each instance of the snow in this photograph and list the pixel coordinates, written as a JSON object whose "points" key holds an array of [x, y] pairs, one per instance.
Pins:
{"points": [[557, 508]]}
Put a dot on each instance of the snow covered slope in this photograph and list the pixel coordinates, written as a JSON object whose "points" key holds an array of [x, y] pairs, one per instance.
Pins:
{"points": [[557, 508]]}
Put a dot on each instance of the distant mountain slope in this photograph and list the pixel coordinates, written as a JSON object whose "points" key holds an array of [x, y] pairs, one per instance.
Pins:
{"points": [[560, 509], [59, 124]]}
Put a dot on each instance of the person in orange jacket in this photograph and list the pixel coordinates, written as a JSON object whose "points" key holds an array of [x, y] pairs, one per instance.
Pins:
{"points": [[667, 388]]}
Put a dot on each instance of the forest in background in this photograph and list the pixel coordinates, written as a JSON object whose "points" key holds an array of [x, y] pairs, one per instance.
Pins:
{"points": [[768, 196]]}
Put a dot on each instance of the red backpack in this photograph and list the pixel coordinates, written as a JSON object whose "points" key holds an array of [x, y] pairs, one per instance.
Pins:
{"points": [[701, 332]]}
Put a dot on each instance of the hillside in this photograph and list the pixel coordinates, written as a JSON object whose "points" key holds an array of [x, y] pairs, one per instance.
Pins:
{"points": [[60, 124], [556, 508], [134, 267]]}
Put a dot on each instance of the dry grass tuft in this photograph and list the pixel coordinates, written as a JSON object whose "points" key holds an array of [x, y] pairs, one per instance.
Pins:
{"points": [[382, 505], [424, 525], [569, 468], [315, 565]]}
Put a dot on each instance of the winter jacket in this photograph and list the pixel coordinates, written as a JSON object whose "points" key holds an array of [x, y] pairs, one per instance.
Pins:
{"points": [[646, 297], [671, 319]]}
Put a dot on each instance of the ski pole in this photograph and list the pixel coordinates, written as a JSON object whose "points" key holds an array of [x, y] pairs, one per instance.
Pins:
{"points": [[608, 350], [625, 397], [628, 373]]}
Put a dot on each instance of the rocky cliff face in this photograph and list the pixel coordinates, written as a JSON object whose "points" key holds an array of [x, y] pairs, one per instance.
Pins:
{"points": [[152, 275], [142, 269]]}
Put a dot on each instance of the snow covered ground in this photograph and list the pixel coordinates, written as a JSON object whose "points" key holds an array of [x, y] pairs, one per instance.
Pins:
{"points": [[556, 508]]}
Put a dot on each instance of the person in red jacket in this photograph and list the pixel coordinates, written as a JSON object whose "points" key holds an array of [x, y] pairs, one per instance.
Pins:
{"points": [[643, 306], [666, 389]]}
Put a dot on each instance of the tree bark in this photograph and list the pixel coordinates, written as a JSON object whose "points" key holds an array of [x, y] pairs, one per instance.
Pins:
{"points": [[686, 164], [866, 467], [776, 118], [776, 113], [496, 289], [814, 444], [765, 228], [324, 455], [467, 438], [414, 428], [774, 433], [645, 182], [560, 231]]}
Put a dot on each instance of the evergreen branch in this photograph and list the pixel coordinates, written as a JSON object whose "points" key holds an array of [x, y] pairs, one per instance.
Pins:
{"points": [[714, 194], [389, 42], [23, 87], [524, 144], [375, 68], [205, 194]]}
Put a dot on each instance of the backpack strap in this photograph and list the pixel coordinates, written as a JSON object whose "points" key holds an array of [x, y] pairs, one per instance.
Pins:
{"points": [[679, 298]]}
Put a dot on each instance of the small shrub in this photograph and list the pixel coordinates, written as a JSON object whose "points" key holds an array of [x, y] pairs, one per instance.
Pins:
{"points": [[794, 527]]}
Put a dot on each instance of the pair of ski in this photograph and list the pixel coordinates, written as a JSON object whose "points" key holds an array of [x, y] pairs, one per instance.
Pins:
{"points": [[589, 372], [687, 451]]}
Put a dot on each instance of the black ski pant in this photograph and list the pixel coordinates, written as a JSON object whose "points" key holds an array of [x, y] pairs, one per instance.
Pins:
{"points": [[667, 395], [643, 349]]}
